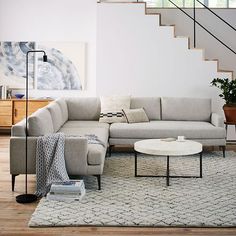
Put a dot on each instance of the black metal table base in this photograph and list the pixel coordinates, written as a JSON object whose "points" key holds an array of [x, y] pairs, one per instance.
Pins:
{"points": [[167, 176]]}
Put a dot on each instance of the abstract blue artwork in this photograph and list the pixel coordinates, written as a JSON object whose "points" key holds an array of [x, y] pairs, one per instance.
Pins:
{"points": [[64, 70], [66, 62], [13, 63]]}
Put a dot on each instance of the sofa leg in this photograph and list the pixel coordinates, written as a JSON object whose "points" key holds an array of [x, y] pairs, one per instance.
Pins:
{"points": [[13, 179], [99, 181], [223, 149], [110, 149]]}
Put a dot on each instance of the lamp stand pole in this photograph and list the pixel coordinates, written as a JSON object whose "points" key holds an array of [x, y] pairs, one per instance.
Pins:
{"points": [[26, 197]]}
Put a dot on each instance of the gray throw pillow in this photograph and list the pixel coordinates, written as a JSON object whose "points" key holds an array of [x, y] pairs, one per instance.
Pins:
{"points": [[135, 115]]}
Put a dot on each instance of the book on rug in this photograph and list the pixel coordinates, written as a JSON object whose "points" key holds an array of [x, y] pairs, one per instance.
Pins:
{"points": [[67, 191]]}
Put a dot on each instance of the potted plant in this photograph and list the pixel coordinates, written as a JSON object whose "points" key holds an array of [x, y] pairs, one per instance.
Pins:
{"points": [[228, 93]]}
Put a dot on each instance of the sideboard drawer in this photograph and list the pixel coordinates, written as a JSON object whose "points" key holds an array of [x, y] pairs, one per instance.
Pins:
{"points": [[5, 110], [5, 121], [5, 113], [4, 103]]}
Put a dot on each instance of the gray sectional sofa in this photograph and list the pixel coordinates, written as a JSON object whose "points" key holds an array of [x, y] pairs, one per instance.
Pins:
{"points": [[77, 117]]}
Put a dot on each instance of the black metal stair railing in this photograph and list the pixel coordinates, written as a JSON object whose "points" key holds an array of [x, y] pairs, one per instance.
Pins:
{"points": [[203, 27], [223, 20]]}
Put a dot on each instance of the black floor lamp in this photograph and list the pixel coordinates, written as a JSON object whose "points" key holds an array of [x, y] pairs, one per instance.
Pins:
{"points": [[26, 197]]}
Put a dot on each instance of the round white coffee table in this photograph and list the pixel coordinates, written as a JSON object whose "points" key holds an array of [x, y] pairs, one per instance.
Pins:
{"points": [[160, 147]]}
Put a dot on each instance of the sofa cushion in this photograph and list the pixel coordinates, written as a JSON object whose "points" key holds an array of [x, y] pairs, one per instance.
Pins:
{"points": [[81, 108], [95, 151], [189, 109], [166, 129], [63, 105], [56, 115], [135, 115], [111, 108], [85, 123], [40, 123], [151, 105]]}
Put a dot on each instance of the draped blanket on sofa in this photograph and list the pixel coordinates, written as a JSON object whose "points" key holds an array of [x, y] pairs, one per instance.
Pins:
{"points": [[50, 162]]}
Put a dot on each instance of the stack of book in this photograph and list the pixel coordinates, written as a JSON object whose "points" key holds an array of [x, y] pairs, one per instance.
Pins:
{"points": [[67, 191]]}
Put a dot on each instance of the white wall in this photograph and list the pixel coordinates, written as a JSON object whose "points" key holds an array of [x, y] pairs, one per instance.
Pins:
{"points": [[213, 49], [54, 20]]}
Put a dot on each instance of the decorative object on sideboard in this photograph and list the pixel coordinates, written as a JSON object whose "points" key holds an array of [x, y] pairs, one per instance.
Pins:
{"points": [[19, 95], [228, 93], [3, 91], [26, 197], [9, 93]]}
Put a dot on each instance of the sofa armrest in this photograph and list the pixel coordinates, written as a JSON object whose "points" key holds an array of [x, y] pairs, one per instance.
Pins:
{"points": [[217, 120], [18, 130], [76, 155], [17, 155], [76, 152]]}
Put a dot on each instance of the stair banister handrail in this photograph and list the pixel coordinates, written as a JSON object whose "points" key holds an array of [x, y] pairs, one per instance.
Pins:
{"points": [[203, 27], [226, 22]]}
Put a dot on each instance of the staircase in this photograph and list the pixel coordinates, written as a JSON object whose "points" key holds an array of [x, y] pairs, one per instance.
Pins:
{"points": [[226, 54], [230, 73], [148, 57]]}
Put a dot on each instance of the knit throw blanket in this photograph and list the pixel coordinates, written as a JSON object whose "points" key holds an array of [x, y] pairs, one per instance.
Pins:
{"points": [[50, 161]]}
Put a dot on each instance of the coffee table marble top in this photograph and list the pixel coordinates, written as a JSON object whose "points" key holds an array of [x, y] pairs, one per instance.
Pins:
{"points": [[167, 148]]}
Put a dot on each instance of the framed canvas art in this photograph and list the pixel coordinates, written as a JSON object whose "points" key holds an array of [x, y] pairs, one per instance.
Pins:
{"points": [[64, 70]]}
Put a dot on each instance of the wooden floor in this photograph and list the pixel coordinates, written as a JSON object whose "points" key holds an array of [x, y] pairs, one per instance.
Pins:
{"points": [[14, 217]]}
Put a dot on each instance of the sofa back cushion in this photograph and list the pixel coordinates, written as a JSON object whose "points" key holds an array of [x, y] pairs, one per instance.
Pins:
{"points": [[189, 109], [83, 108], [56, 115], [40, 123], [63, 105], [151, 105]]}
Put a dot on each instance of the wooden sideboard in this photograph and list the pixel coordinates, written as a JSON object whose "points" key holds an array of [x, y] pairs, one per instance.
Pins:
{"points": [[13, 110]]}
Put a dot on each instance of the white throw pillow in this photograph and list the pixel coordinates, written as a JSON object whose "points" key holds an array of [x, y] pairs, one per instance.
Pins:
{"points": [[111, 109]]}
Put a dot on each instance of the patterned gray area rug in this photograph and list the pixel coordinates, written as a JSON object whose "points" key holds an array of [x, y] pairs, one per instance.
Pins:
{"points": [[128, 201]]}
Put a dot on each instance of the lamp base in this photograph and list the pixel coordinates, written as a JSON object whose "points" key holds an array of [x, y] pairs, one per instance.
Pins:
{"points": [[26, 198]]}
